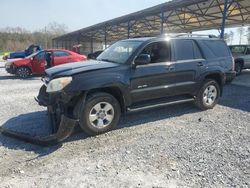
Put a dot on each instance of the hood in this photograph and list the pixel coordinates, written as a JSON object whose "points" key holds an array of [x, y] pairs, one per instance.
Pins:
{"points": [[20, 62], [70, 69], [13, 60]]}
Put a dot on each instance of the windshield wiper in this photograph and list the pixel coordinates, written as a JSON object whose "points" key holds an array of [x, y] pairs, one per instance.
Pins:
{"points": [[108, 60]]}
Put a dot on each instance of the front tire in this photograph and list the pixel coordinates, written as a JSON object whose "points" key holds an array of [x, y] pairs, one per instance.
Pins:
{"points": [[208, 95], [101, 113], [23, 72]]}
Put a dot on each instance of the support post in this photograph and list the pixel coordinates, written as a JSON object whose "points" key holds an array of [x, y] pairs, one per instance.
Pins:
{"points": [[162, 21], [78, 38], [91, 45], [105, 38], [224, 19], [53, 43], [66, 44], [129, 27]]}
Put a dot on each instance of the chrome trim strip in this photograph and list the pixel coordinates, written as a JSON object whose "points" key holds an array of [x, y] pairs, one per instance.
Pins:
{"points": [[159, 105], [142, 89]]}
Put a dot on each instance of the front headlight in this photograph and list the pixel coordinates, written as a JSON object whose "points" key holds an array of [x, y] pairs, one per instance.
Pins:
{"points": [[58, 84]]}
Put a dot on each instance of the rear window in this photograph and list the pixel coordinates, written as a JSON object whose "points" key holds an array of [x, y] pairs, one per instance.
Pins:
{"points": [[214, 48], [61, 54]]}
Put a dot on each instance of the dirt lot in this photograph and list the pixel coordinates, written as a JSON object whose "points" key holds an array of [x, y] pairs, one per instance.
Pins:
{"points": [[177, 146]]}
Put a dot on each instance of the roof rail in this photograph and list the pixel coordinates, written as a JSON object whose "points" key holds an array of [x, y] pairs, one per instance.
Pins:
{"points": [[187, 35], [144, 36]]}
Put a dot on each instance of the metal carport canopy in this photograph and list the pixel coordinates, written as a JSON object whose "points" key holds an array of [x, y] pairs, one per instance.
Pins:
{"points": [[169, 17]]}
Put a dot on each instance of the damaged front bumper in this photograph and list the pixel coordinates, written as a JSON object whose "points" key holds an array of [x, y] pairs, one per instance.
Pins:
{"points": [[62, 123], [66, 128]]}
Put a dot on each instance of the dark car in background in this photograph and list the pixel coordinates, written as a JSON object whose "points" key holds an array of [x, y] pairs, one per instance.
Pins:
{"points": [[241, 54], [94, 55]]}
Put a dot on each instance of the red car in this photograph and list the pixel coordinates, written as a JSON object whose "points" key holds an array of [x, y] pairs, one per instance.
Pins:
{"points": [[36, 63]]}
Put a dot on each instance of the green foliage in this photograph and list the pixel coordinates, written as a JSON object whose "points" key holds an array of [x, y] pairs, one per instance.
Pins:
{"points": [[14, 39], [4, 53]]}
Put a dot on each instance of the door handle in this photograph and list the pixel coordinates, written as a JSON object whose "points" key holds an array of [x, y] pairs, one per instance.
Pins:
{"points": [[170, 68], [200, 64]]}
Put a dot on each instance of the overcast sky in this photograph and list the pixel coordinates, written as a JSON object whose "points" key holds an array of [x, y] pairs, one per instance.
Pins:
{"points": [[75, 14]]}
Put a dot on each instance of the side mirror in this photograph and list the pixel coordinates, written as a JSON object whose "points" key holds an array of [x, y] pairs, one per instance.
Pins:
{"points": [[143, 59]]}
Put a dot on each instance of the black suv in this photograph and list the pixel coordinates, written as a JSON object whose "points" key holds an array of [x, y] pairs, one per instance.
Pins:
{"points": [[137, 74]]}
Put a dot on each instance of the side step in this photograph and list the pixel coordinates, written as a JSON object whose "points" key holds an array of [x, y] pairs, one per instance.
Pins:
{"points": [[137, 108]]}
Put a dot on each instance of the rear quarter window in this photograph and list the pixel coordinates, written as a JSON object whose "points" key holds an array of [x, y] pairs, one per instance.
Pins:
{"points": [[214, 48], [61, 53]]}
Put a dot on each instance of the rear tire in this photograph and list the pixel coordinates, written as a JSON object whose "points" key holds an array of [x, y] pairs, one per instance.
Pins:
{"points": [[208, 95], [101, 113], [23, 72]]}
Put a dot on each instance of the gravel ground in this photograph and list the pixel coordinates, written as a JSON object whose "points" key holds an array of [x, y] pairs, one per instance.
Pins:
{"points": [[176, 146]]}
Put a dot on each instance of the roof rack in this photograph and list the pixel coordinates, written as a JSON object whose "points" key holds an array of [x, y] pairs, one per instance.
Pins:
{"points": [[187, 35]]}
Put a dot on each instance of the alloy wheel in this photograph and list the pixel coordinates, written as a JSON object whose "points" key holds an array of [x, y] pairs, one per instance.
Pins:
{"points": [[101, 115], [23, 72], [210, 95]]}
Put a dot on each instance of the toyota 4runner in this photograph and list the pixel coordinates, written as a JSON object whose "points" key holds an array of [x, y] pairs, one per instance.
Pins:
{"points": [[137, 74]]}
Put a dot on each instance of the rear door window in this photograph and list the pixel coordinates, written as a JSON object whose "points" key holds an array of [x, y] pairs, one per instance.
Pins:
{"points": [[184, 50]]}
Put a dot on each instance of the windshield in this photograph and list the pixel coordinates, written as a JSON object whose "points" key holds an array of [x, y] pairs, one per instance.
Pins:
{"points": [[119, 52], [237, 49]]}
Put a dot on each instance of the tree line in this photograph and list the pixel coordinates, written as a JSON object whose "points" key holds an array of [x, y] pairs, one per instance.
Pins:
{"points": [[240, 34], [17, 38]]}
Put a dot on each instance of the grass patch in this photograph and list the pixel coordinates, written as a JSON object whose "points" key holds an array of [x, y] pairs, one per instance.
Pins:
{"points": [[4, 53]]}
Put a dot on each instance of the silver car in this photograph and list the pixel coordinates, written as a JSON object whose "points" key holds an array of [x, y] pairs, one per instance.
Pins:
{"points": [[241, 54]]}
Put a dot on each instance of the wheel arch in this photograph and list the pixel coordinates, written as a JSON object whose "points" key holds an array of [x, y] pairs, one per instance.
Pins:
{"points": [[112, 90], [218, 77], [240, 60]]}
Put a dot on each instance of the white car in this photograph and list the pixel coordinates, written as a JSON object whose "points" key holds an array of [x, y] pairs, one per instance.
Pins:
{"points": [[241, 54]]}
